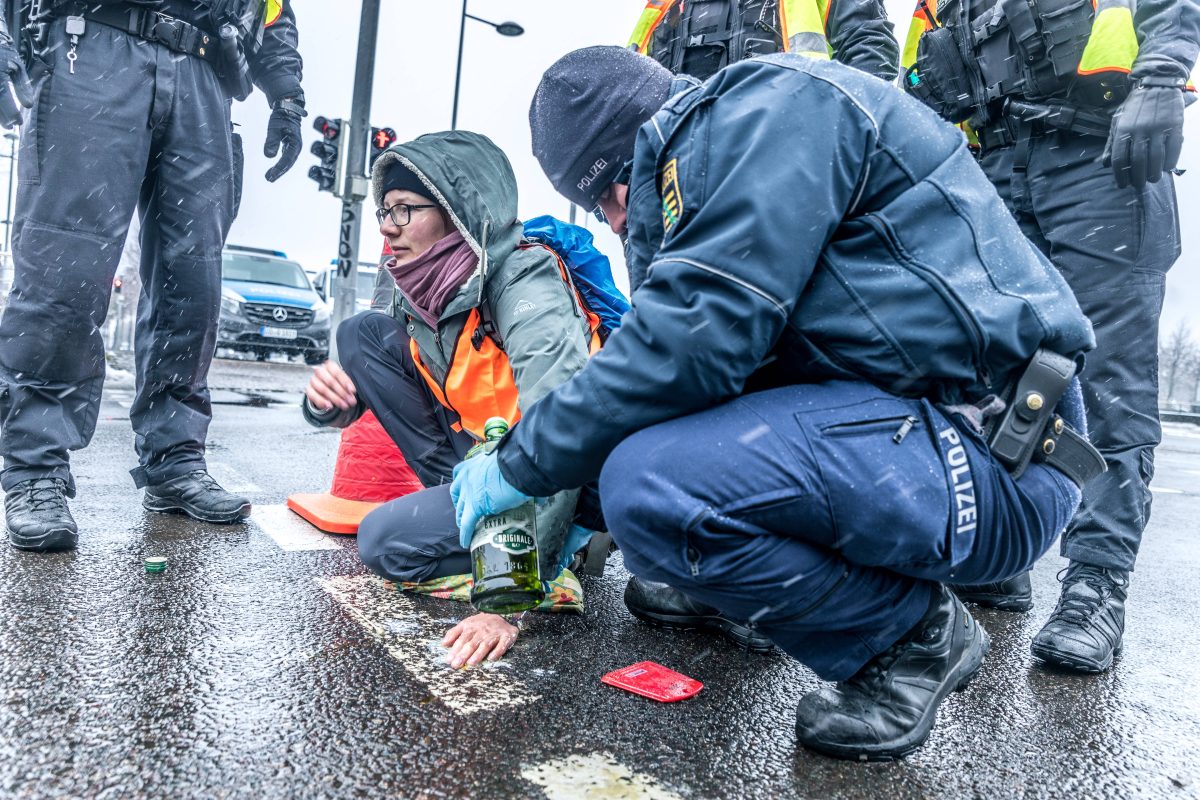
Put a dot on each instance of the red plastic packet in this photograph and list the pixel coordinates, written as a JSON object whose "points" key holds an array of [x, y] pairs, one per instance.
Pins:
{"points": [[654, 681]]}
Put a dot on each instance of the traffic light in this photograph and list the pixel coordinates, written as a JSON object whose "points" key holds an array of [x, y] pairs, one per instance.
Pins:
{"points": [[381, 139], [328, 150]]}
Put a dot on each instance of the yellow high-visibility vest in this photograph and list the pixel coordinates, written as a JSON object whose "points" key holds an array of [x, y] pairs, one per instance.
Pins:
{"points": [[801, 22], [1112, 45]]}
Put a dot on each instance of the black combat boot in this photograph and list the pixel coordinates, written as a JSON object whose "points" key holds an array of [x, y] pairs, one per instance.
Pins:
{"points": [[199, 496], [1012, 594], [888, 707], [37, 518], [663, 606], [1084, 632]]}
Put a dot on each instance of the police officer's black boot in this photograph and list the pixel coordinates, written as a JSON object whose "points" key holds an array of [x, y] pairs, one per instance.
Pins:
{"points": [[1084, 632], [199, 496], [1011, 594], [37, 518], [888, 707], [663, 606]]}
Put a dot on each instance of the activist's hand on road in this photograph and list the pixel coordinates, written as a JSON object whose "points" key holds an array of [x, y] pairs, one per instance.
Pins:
{"points": [[284, 129], [12, 71], [330, 386], [1146, 137], [476, 638], [479, 490]]}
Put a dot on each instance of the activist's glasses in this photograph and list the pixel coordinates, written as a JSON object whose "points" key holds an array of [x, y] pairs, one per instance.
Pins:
{"points": [[401, 213]]}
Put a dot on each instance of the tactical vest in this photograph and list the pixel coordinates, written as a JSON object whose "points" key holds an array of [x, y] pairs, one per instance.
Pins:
{"points": [[479, 382], [699, 37], [1079, 51]]}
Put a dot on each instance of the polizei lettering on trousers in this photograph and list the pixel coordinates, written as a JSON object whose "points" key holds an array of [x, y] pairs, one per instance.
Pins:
{"points": [[960, 477]]}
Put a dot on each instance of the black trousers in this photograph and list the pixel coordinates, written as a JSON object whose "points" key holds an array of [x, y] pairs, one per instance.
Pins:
{"points": [[1114, 247], [135, 127]]}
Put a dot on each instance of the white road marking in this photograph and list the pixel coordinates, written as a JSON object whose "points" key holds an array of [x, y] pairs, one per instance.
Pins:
{"points": [[593, 777], [415, 640], [230, 478], [290, 531], [1164, 490]]}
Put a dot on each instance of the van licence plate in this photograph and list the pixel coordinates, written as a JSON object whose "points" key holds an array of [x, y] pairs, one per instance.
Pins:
{"points": [[276, 333]]}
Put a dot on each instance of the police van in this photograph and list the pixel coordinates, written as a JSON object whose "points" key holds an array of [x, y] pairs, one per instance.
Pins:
{"points": [[268, 305]]}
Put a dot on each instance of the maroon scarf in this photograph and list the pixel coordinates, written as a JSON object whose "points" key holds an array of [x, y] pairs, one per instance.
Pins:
{"points": [[434, 277]]}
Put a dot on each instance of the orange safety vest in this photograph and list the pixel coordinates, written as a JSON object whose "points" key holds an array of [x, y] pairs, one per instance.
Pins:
{"points": [[479, 382]]}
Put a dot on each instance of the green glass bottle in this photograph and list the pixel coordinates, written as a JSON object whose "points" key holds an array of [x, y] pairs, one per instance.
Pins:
{"points": [[504, 554]]}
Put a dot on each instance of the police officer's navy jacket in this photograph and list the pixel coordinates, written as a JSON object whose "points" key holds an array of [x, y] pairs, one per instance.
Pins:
{"points": [[275, 65], [794, 220]]}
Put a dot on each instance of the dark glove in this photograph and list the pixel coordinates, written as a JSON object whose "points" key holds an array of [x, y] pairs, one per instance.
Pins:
{"points": [[12, 71], [1146, 135], [284, 129]]}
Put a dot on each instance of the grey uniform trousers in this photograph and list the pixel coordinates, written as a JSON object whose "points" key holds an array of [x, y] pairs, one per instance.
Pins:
{"points": [[1114, 247], [136, 126]]}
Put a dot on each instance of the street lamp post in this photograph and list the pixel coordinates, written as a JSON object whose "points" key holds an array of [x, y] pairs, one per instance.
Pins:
{"points": [[502, 28]]}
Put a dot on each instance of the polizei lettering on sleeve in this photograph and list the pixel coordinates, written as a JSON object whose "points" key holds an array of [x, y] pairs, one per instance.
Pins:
{"points": [[964, 510], [592, 173]]}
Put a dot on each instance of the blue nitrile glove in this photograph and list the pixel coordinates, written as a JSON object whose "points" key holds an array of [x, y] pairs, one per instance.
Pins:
{"points": [[479, 490], [577, 539]]}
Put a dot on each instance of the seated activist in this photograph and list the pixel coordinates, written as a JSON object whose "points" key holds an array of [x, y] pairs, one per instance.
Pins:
{"points": [[431, 370], [847, 379]]}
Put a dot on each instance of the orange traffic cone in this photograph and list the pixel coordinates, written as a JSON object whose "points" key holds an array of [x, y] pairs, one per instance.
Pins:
{"points": [[369, 471]]}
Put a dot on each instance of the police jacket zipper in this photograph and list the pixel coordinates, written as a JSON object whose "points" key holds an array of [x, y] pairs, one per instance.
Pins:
{"points": [[944, 290]]}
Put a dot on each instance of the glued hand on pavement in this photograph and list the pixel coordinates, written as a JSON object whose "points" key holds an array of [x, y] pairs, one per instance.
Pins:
{"points": [[483, 636]]}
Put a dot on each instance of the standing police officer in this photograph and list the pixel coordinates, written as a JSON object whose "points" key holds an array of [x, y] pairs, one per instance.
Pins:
{"points": [[699, 37], [132, 111], [1077, 109], [830, 306]]}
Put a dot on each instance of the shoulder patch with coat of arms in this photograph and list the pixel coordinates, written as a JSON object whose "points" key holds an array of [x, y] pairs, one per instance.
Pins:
{"points": [[273, 11], [672, 196]]}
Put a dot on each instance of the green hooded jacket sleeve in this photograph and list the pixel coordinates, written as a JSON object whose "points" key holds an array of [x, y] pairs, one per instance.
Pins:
{"points": [[541, 328]]}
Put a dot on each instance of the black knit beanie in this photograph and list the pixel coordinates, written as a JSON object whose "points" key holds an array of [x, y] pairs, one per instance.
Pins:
{"points": [[586, 113], [401, 177]]}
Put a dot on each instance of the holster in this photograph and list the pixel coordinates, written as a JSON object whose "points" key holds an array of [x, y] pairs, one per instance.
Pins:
{"points": [[1030, 430], [233, 71]]}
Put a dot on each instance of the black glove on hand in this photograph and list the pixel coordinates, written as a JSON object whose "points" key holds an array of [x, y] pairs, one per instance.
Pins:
{"points": [[284, 129], [12, 71], [1146, 135]]}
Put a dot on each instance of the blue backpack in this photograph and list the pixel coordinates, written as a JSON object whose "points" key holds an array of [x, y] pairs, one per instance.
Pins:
{"points": [[589, 268]]}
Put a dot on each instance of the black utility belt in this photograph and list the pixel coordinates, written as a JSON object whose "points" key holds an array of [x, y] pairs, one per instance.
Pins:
{"points": [[174, 34], [1024, 117], [1029, 430]]}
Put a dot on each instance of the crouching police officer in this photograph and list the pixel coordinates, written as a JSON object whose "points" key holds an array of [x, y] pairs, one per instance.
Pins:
{"points": [[837, 388], [1077, 108], [131, 111]]}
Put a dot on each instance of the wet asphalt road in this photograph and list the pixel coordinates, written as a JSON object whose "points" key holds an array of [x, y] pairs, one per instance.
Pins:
{"points": [[255, 669]]}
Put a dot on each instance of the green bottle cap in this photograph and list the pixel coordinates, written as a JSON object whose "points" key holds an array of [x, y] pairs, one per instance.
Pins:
{"points": [[155, 563], [495, 428]]}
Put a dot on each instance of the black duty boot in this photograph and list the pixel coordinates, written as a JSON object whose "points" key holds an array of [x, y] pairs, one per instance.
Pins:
{"points": [[663, 606], [888, 707], [199, 496], [37, 518], [1013, 594], [1084, 632]]}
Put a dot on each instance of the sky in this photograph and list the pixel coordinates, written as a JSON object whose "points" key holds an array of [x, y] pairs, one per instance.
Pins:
{"points": [[414, 90]]}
